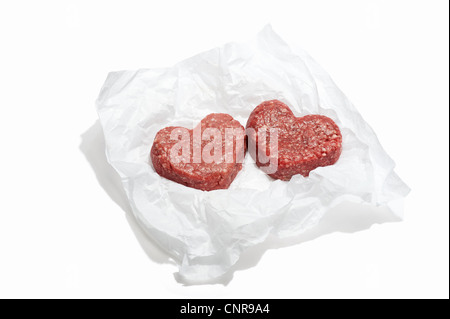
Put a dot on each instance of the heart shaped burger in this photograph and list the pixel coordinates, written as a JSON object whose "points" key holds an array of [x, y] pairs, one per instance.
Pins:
{"points": [[206, 158], [304, 143]]}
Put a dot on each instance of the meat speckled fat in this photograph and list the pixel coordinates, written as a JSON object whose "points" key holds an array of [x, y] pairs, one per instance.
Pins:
{"points": [[203, 176], [304, 143]]}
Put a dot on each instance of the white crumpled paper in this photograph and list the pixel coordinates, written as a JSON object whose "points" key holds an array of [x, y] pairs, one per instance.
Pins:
{"points": [[206, 232]]}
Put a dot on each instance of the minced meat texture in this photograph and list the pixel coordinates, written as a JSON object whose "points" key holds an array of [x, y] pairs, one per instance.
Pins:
{"points": [[202, 175], [304, 143]]}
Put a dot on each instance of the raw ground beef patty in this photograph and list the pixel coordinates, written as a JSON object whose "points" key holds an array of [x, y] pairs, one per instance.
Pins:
{"points": [[199, 171], [304, 143]]}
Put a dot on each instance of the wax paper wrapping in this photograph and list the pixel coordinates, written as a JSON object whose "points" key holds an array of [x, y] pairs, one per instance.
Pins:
{"points": [[206, 232]]}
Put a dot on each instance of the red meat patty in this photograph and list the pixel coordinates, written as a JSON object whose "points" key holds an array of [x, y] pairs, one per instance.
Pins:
{"points": [[304, 143], [215, 170]]}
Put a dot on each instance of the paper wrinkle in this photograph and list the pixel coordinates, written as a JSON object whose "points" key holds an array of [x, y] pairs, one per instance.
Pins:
{"points": [[206, 232]]}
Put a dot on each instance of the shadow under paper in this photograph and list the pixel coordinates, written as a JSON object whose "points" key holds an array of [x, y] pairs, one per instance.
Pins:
{"points": [[93, 148], [345, 218]]}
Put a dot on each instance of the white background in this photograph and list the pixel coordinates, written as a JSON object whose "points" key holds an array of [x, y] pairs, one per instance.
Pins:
{"points": [[64, 235]]}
